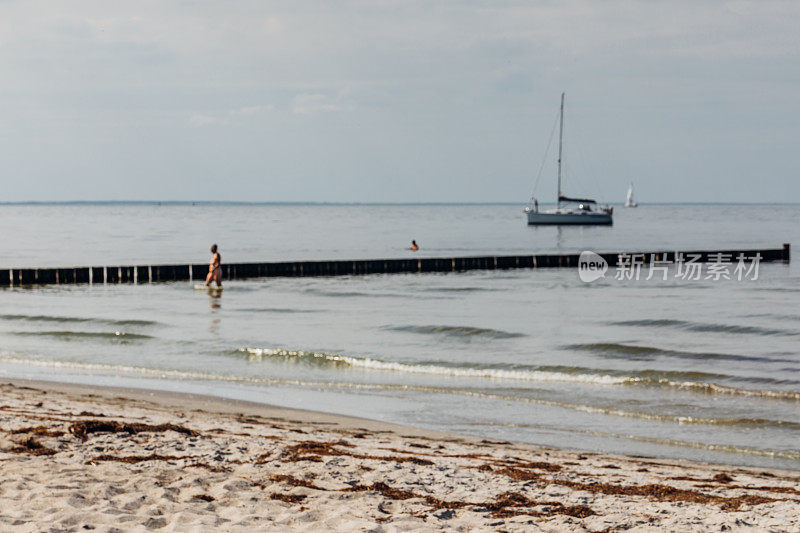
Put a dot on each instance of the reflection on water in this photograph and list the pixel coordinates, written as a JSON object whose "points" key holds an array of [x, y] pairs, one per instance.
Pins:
{"points": [[215, 304]]}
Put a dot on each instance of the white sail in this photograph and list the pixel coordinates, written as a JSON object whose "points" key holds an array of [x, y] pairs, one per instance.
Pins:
{"points": [[629, 201]]}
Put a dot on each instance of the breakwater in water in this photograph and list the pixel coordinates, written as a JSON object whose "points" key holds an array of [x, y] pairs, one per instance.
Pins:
{"points": [[184, 272]]}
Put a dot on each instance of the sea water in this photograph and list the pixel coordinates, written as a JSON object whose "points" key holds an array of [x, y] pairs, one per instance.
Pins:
{"points": [[705, 369]]}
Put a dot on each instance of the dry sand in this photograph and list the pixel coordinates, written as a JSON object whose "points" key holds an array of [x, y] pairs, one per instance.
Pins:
{"points": [[77, 458]]}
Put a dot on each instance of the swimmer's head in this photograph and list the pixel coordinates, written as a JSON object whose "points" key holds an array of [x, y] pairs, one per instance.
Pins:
{"points": [[213, 248]]}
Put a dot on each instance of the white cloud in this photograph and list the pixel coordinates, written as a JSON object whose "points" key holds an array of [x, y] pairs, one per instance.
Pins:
{"points": [[252, 110], [310, 103], [199, 120]]}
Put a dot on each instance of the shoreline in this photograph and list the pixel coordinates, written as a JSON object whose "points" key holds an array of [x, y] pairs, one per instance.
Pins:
{"points": [[223, 404], [77, 457]]}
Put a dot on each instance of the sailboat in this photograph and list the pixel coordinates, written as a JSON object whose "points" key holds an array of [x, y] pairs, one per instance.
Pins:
{"points": [[629, 201], [568, 211]]}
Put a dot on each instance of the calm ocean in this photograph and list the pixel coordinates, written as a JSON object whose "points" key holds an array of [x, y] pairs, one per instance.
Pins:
{"points": [[703, 369]]}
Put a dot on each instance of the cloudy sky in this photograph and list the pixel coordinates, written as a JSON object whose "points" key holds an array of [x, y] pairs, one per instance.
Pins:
{"points": [[403, 101]]}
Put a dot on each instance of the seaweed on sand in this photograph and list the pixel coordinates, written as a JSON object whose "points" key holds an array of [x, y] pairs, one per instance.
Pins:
{"points": [[32, 446], [133, 459], [287, 498], [313, 451], [44, 431], [82, 428]]}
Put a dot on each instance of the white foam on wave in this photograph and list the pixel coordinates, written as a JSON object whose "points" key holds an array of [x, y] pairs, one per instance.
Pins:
{"points": [[709, 388], [519, 375], [713, 388], [202, 376], [490, 373], [127, 369]]}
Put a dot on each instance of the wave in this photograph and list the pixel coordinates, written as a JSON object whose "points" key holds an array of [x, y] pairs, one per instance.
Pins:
{"points": [[275, 310], [460, 289], [728, 448], [713, 388], [68, 335], [77, 320], [435, 369], [625, 350], [652, 378], [777, 316], [705, 327], [590, 409], [352, 294], [749, 450], [664, 417], [458, 331], [777, 289]]}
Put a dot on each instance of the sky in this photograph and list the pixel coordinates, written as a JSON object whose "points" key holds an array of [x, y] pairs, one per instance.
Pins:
{"points": [[401, 101]]}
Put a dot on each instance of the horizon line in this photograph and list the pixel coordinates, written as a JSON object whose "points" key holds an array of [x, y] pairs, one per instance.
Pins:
{"points": [[290, 202]]}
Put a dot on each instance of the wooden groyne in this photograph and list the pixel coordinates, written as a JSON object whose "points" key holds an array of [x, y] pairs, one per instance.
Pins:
{"points": [[165, 273]]}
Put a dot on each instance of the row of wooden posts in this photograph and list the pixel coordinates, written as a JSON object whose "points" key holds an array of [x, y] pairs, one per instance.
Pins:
{"points": [[166, 273]]}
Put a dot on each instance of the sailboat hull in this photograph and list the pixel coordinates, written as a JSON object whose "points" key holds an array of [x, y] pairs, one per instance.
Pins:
{"points": [[569, 219]]}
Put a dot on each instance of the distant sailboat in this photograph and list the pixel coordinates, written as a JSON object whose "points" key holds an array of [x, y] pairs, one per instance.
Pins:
{"points": [[629, 201], [586, 212]]}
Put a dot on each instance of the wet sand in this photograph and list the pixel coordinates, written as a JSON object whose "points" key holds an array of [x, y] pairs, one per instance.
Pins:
{"points": [[78, 458]]}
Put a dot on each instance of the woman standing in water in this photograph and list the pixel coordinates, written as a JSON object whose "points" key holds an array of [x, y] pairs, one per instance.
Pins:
{"points": [[214, 269]]}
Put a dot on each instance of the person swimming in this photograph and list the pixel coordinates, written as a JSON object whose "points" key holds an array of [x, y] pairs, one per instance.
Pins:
{"points": [[414, 246], [214, 268]]}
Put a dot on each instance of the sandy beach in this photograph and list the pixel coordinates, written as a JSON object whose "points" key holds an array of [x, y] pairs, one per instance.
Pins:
{"points": [[78, 458]]}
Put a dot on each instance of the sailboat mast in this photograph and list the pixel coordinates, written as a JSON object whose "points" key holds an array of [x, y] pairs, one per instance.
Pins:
{"points": [[560, 142]]}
